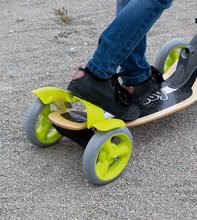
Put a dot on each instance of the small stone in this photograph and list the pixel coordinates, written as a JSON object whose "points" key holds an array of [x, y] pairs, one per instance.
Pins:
{"points": [[73, 49], [20, 20], [11, 31]]}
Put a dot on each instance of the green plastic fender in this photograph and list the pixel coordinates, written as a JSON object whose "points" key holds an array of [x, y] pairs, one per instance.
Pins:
{"points": [[50, 94], [96, 119], [95, 115]]}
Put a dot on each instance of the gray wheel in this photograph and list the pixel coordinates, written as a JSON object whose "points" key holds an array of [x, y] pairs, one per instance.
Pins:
{"points": [[169, 54], [107, 154], [38, 128]]}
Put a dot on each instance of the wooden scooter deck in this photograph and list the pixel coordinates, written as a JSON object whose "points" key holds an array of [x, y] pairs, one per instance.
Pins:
{"points": [[188, 94]]}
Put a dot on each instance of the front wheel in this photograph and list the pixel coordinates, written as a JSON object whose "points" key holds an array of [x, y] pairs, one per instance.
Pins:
{"points": [[107, 155], [38, 128], [169, 54]]}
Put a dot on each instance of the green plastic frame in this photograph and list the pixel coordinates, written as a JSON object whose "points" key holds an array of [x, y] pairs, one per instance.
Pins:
{"points": [[95, 115]]}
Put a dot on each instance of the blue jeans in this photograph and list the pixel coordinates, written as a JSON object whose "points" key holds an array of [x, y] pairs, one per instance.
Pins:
{"points": [[123, 42]]}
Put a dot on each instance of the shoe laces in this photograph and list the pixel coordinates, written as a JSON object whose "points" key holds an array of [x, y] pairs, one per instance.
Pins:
{"points": [[122, 94]]}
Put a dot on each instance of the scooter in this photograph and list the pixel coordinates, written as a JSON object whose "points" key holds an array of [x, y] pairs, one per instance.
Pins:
{"points": [[107, 140]]}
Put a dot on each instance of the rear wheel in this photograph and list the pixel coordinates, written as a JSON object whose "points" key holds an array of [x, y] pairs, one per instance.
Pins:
{"points": [[107, 155], [169, 54]]}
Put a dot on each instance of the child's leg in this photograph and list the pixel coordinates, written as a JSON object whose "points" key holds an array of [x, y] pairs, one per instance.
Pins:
{"points": [[123, 35], [136, 61], [116, 43]]}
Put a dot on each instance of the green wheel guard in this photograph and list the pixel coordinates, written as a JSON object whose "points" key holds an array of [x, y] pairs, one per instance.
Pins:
{"points": [[172, 57], [95, 115], [44, 130], [113, 158]]}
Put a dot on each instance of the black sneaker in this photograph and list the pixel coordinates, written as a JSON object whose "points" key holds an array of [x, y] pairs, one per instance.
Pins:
{"points": [[140, 91], [107, 94]]}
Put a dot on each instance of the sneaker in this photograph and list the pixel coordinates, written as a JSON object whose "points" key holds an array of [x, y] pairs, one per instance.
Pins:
{"points": [[105, 93], [144, 89]]}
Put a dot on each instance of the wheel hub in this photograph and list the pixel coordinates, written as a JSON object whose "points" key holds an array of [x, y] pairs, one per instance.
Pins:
{"points": [[115, 158]]}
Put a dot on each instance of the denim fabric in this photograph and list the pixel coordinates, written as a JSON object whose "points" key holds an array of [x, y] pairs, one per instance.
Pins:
{"points": [[136, 61], [123, 42]]}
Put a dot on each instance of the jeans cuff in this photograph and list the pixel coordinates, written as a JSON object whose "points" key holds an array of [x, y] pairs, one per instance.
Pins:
{"points": [[132, 81], [97, 72]]}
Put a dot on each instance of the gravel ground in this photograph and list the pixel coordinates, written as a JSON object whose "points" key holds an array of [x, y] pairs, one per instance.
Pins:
{"points": [[160, 181]]}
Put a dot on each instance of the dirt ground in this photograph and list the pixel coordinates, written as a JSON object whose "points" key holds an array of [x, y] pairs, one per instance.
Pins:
{"points": [[160, 181]]}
